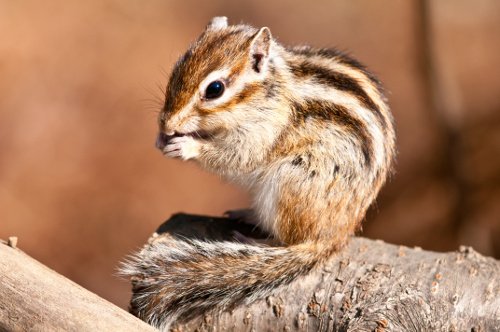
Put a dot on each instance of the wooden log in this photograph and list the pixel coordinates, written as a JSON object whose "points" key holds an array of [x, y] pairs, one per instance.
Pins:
{"points": [[35, 298], [369, 286]]}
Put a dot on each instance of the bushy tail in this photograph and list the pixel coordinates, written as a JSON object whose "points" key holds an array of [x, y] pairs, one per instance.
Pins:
{"points": [[179, 279]]}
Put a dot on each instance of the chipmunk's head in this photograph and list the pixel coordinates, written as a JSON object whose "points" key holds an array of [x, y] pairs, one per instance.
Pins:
{"points": [[218, 84]]}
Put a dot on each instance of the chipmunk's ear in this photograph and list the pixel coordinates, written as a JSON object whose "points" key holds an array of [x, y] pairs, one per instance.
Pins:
{"points": [[259, 49], [217, 23]]}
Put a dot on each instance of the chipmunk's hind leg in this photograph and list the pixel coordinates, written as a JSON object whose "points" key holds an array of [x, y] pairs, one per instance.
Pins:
{"points": [[248, 218], [243, 215]]}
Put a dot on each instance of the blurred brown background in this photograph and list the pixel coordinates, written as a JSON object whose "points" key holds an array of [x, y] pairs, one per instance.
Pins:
{"points": [[82, 186]]}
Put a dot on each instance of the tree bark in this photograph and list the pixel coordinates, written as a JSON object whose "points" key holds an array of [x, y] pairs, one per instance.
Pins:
{"points": [[35, 298], [369, 286]]}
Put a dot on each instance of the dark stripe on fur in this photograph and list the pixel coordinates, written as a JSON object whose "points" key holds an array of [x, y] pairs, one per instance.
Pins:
{"points": [[241, 97], [339, 114], [341, 57], [338, 81]]}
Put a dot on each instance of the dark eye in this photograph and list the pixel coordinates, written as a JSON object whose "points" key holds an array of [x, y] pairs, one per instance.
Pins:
{"points": [[214, 90]]}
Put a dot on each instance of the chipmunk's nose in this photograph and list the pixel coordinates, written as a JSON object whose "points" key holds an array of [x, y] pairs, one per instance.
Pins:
{"points": [[162, 139]]}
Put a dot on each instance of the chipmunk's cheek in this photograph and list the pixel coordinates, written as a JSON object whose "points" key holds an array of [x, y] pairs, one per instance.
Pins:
{"points": [[183, 147]]}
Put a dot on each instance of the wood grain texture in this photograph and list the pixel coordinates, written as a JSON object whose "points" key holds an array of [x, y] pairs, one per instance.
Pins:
{"points": [[35, 298], [370, 286]]}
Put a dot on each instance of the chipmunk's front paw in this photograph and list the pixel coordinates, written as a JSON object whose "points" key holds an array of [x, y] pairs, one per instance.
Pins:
{"points": [[183, 147]]}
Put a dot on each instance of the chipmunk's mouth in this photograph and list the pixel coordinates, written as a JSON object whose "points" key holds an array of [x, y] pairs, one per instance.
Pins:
{"points": [[163, 139]]}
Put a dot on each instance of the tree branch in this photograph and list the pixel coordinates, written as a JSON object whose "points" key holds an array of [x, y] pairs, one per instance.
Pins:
{"points": [[35, 298], [369, 286]]}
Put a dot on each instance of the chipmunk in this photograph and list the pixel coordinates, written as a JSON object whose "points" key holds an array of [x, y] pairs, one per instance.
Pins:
{"points": [[306, 131]]}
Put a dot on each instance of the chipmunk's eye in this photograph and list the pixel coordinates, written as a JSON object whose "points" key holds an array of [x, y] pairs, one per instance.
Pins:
{"points": [[214, 90]]}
